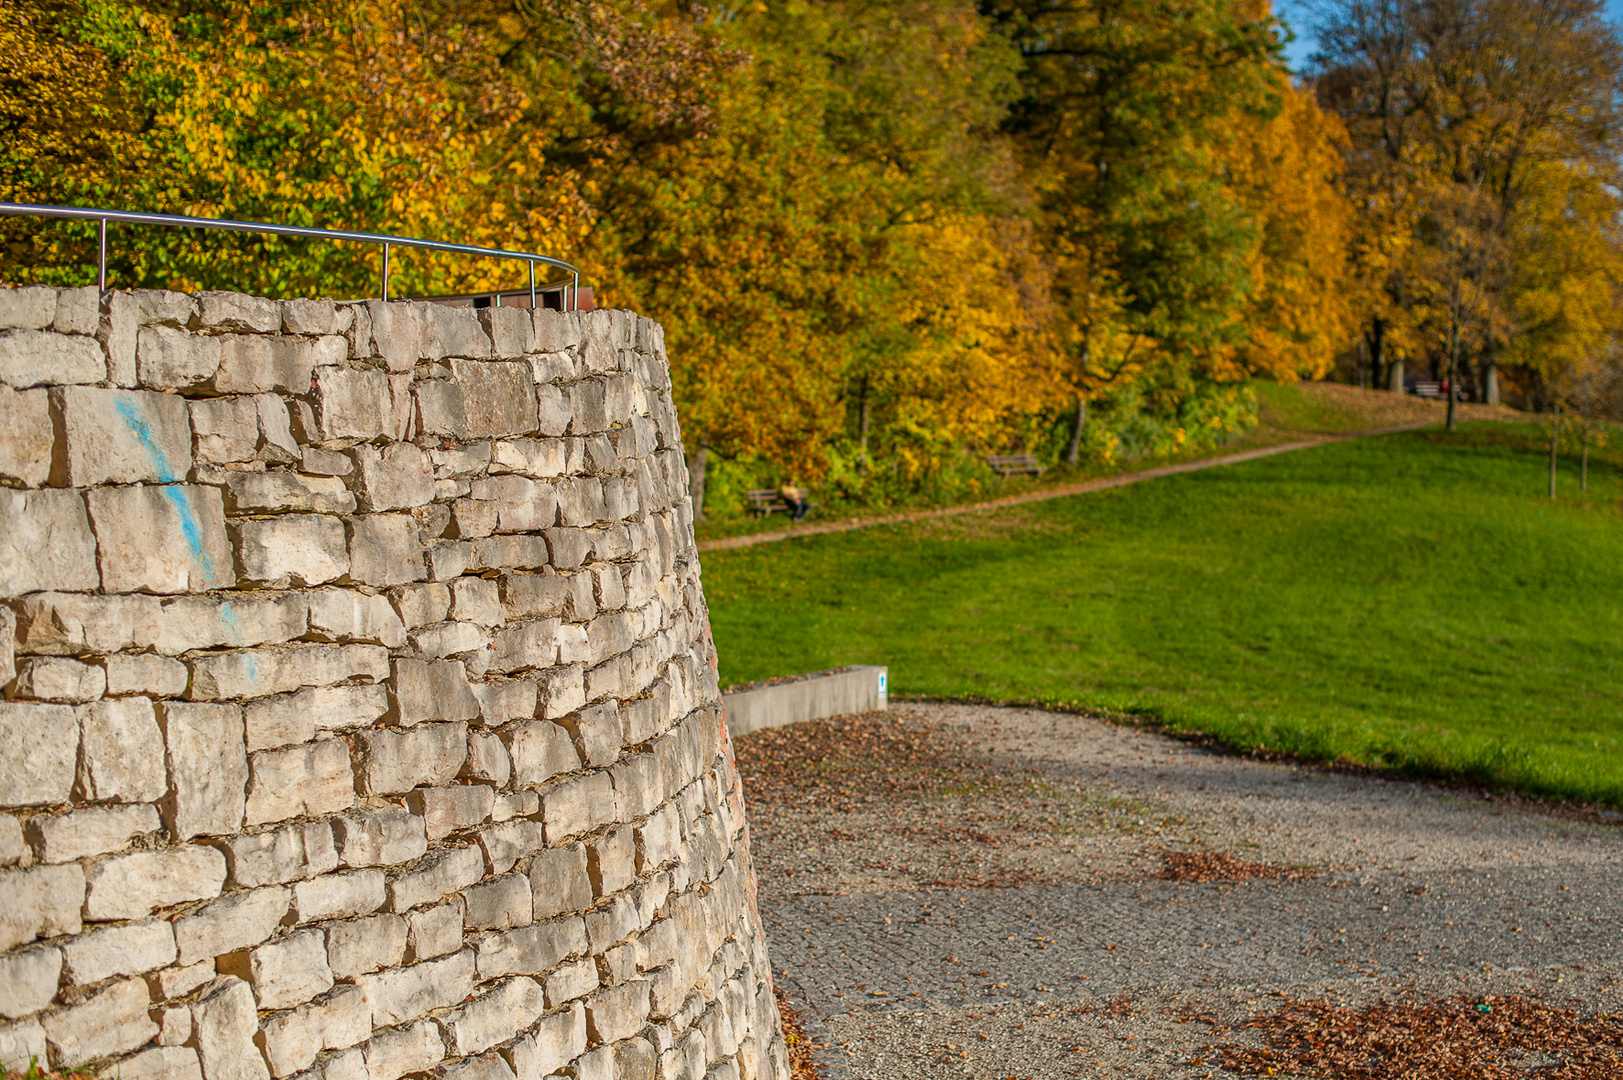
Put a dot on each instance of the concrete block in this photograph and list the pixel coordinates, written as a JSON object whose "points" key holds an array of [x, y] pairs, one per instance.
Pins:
{"points": [[55, 678], [279, 492], [559, 883], [496, 1016], [165, 539], [309, 780], [398, 477], [384, 550], [352, 403], [286, 719], [445, 871], [286, 971], [131, 949], [47, 543], [114, 1021], [235, 311], [208, 768], [303, 549], [363, 945], [122, 754], [393, 1054], [28, 980], [421, 605], [487, 760], [230, 924], [26, 436], [291, 853], [133, 886], [394, 762], [120, 436], [89, 831], [346, 615], [838, 693], [381, 836], [40, 358], [539, 750], [557, 1040], [339, 896], [38, 744], [446, 810], [403, 994], [500, 904], [224, 1024], [577, 806], [170, 359], [434, 931], [144, 673], [249, 673]]}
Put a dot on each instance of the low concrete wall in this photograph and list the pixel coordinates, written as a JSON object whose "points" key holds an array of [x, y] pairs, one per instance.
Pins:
{"points": [[823, 693]]}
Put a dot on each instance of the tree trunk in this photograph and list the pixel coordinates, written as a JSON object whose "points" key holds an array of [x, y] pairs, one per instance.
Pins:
{"points": [[1394, 381], [1361, 376], [1375, 339], [1555, 432], [1491, 391], [696, 463], [1073, 449], [1453, 373]]}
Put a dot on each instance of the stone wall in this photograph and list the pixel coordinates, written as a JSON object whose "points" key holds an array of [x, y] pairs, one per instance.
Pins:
{"points": [[360, 715]]}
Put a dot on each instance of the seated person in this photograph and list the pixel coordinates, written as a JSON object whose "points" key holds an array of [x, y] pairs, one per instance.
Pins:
{"points": [[795, 498]]}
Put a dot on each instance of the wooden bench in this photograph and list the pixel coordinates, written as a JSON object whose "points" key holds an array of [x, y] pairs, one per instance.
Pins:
{"points": [[764, 501], [1428, 389], [1010, 464]]}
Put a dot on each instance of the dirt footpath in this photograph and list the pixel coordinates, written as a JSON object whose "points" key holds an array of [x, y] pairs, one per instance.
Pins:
{"points": [[970, 892]]}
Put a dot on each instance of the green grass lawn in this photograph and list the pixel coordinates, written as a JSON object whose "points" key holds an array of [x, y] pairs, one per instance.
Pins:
{"points": [[1410, 602]]}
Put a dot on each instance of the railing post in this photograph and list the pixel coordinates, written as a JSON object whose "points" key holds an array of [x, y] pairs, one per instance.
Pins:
{"points": [[532, 283], [385, 273], [101, 255]]}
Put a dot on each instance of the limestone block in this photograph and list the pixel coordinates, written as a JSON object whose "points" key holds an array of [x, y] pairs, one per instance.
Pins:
{"points": [[446, 810], [227, 429], [135, 885], [659, 839], [512, 804], [556, 1041], [570, 982], [20, 1044], [170, 359], [487, 760], [114, 1021], [421, 605], [176, 982], [38, 744], [346, 615], [398, 477], [309, 780], [555, 331], [393, 762], [224, 1024], [122, 754], [131, 949], [596, 732], [525, 646], [163, 539], [611, 861], [208, 768], [638, 785], [397, 333], [279, 491], [496, 1016], [28, 979], [500, 904], [160, 1063], [484, 1067], [451, 331], [27, 307], [403, 994], [561, 691], [384, 550], [580, 501], [286, 719], [498, 398], [325, 462], [277, 444], [235, 311], [555, 411], [46, 544], [506, 552], [461, 460], [145, 673], [355, 948], [334, 1021], [232, 923], [539, 458], [259, 365], [337, 896], [285, 971], [395, 1053], [510, 330], [443, 872], [88, 831], [531, 950], [539, 750], [510, 841], [501, 700], [291, 853], [175, 1027], [352, 403], [248, 673], [116, 329], [307, 549], [431, 691], [559, 882], [303, 316], [449, 639], [635, 1059], [54, 678], [578, 806], [26, 436], [383, 836], [120, 436], [642, 717], [434, 931], [441, 408], [12, 848], [39, 358]]}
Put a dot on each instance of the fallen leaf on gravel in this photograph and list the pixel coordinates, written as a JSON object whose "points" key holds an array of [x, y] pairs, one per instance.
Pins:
{"points": [[801, 1065], [1221, 866]]}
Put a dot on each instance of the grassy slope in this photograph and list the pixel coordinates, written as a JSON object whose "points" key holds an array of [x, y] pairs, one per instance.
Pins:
{"points": [[1410, 601]]}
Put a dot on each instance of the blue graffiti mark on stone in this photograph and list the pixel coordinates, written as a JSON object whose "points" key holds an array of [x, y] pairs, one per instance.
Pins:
{"points": [[191, 527], [130, 410]]}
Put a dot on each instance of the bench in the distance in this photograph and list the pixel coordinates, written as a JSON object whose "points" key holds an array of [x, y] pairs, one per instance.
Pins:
{"points": [[764, 501], [1010, 464]]}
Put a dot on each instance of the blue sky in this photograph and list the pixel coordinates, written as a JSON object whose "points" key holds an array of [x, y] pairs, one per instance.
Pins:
{"points": [[1296, 14]]}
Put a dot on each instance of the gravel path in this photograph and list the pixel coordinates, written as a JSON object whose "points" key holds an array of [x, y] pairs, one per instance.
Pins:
{"points": [[975, 892]]}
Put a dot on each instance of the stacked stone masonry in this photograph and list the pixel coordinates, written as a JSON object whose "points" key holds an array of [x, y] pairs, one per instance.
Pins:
{"points": [[360, 716]]}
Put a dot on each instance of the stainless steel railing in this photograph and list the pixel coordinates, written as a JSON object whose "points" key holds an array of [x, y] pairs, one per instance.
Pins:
{"points": [[570, 289]]}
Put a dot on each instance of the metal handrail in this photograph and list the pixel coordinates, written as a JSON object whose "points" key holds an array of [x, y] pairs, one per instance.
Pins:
{"points": [[571, 298]]}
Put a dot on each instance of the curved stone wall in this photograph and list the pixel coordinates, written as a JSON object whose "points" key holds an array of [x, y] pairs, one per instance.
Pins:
{"points": [[360, 715]]}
